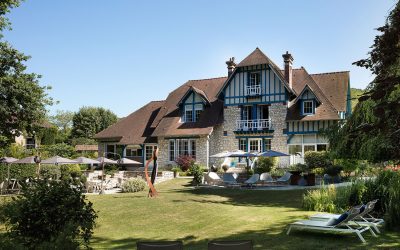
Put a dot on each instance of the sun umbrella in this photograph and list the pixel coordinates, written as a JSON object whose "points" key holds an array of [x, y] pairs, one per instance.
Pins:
{"points": [[241, 153], [58, 160], [106, 160], [84, 160], [222, 154], [125, 161], [272, 153], [26, 160]]}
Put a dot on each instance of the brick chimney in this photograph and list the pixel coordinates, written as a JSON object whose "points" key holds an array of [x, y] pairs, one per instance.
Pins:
{"points": [[231, 65], [288, 61]]}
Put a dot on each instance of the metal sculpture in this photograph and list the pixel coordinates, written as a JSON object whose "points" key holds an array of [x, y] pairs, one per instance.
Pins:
{"points": [[150, 181]]}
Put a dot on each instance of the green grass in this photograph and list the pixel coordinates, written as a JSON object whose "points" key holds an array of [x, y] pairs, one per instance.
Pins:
{"points": [[197, 215]]}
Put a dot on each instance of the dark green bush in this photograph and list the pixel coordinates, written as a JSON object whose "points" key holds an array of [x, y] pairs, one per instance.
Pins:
{"points": [[49, 214], [333, 170], [61, 149], [317, 159], [265, 164], [72, 173], [197, 172], [50, 171], [18, 171]]}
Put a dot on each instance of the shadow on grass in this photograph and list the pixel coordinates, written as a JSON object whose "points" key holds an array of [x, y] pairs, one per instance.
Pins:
{"points": [[246, 197], [271, 238]]}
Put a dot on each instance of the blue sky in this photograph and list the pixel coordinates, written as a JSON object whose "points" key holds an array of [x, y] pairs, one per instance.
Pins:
{"points": [[122, 54]]}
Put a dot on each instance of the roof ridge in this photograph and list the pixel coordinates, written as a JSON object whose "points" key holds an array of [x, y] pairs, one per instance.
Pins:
{"points": [[158, 101], [333, 72], [208, 78]]}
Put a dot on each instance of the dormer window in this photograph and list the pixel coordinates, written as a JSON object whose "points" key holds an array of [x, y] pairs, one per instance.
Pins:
{"points": [[254, 79], [188, 117], [192, 112], [308, 107]]}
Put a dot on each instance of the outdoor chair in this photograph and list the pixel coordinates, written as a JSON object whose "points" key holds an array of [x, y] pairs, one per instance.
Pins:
{"points": [[231, 245], [252, 180], [212, 178], [160, 245], [363, 218], [285, 178], [229, 179], [266, 178], [339, 225]]}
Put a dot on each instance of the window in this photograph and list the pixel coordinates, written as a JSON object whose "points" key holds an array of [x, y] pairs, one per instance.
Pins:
{"points": [[149, 151], [243, 144], [247, 113], [179, 147], [132, 151], [309, 148], [322, 147], [254, 79], [267, 144], [188, 113], [225, 133], [262, 112], [110, 150], [30, 143], [255, 145], [295, 149], [171, 150], [198, 109], [191, 115], [308, 107]]}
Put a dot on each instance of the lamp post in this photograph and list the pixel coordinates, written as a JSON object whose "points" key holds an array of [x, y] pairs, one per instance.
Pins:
{"points": [[102, 173]]}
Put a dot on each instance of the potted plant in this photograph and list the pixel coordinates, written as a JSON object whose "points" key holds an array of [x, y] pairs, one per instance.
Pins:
{"points": [[296, 171], [176, 171]]}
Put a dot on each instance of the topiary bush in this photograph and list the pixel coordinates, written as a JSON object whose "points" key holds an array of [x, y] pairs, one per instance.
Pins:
{"points": [[197, 172], [133, 185], [49, 213], [266, 164], [317, 160]]}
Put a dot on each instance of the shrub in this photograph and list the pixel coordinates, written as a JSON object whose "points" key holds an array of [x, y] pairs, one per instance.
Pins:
{"points": [[317, 159], [72, 173], [61, 149], [50, 171], [133, 185], [333, 170], [348, 165], [185, 162], [18, 171], [49, 214], [322, 199], [197, 172], [266, 164]]}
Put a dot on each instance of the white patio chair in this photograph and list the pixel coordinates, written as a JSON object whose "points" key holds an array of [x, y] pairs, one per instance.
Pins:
{"points": [[334, 225], [212, 178], [252, 180], [363, 218], [285, 178], [266, 178]]}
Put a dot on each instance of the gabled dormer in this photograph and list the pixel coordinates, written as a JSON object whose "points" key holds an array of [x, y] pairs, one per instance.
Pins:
{"points": [[308, 100], [192, 104], [256, 79]]}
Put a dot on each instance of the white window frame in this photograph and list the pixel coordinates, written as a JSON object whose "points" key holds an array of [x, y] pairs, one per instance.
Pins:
{"points": [[254, 79], [259, 144], [177, 145], [304, 107]]}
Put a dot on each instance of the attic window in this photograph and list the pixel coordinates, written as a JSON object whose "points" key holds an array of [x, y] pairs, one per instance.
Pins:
{"points": [[308, 107], [254, 79], [192, 112]]}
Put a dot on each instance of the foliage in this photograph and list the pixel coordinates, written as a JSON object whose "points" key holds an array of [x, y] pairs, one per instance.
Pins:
{"points": [[133, 185], [61, 149], [20, 172], [333, 170], [176, 169], [355, 94], [90, 120], [385, 187], [185, 162], [50, 172], [62, 119], [321, 199], [317, 159], [266, 164], [372, 132], [16, 150], [22, 100], [197, 172], [348, 165], [83, 141], [49, 213], [72, 173]]}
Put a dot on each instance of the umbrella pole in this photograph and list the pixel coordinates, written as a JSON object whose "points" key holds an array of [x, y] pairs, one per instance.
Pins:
{"points": [[102, 178], [8, 175]]}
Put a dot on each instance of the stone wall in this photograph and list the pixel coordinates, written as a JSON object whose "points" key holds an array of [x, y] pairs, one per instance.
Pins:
{"points": [[202, 150], [277, 114]]}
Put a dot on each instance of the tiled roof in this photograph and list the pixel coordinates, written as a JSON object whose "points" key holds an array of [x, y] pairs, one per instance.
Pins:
{"points": [[135, 128], [169, 119]]}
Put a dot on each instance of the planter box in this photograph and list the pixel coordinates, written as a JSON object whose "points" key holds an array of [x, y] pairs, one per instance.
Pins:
{"points": [[294, 179], [310, 178]]}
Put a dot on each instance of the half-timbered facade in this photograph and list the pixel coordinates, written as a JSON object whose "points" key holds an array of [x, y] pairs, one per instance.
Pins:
{"points": [[259, 106]]}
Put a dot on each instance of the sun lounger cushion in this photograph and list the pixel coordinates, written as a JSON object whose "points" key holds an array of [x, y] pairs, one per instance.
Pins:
{"points": [[334, 221]]}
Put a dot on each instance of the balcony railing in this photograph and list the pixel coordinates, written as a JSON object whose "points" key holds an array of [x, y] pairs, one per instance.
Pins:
{"points": [[253, 125], [253, 90]]}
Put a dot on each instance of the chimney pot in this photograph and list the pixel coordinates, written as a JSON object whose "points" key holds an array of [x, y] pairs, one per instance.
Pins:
{"points": [[231, 65], [287, 62]]}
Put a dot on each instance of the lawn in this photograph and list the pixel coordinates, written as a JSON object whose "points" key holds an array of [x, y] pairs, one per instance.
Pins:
{"points": [[197, 215]]}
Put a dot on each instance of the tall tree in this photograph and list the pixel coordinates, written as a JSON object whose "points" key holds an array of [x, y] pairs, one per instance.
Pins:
{"points": [[90, 120], [22, 99], [373, 131], [62, 119]]}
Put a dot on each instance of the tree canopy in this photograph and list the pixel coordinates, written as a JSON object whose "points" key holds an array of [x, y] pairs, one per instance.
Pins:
{"points": [[373, 131], [90, 120], [22, 100]]}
